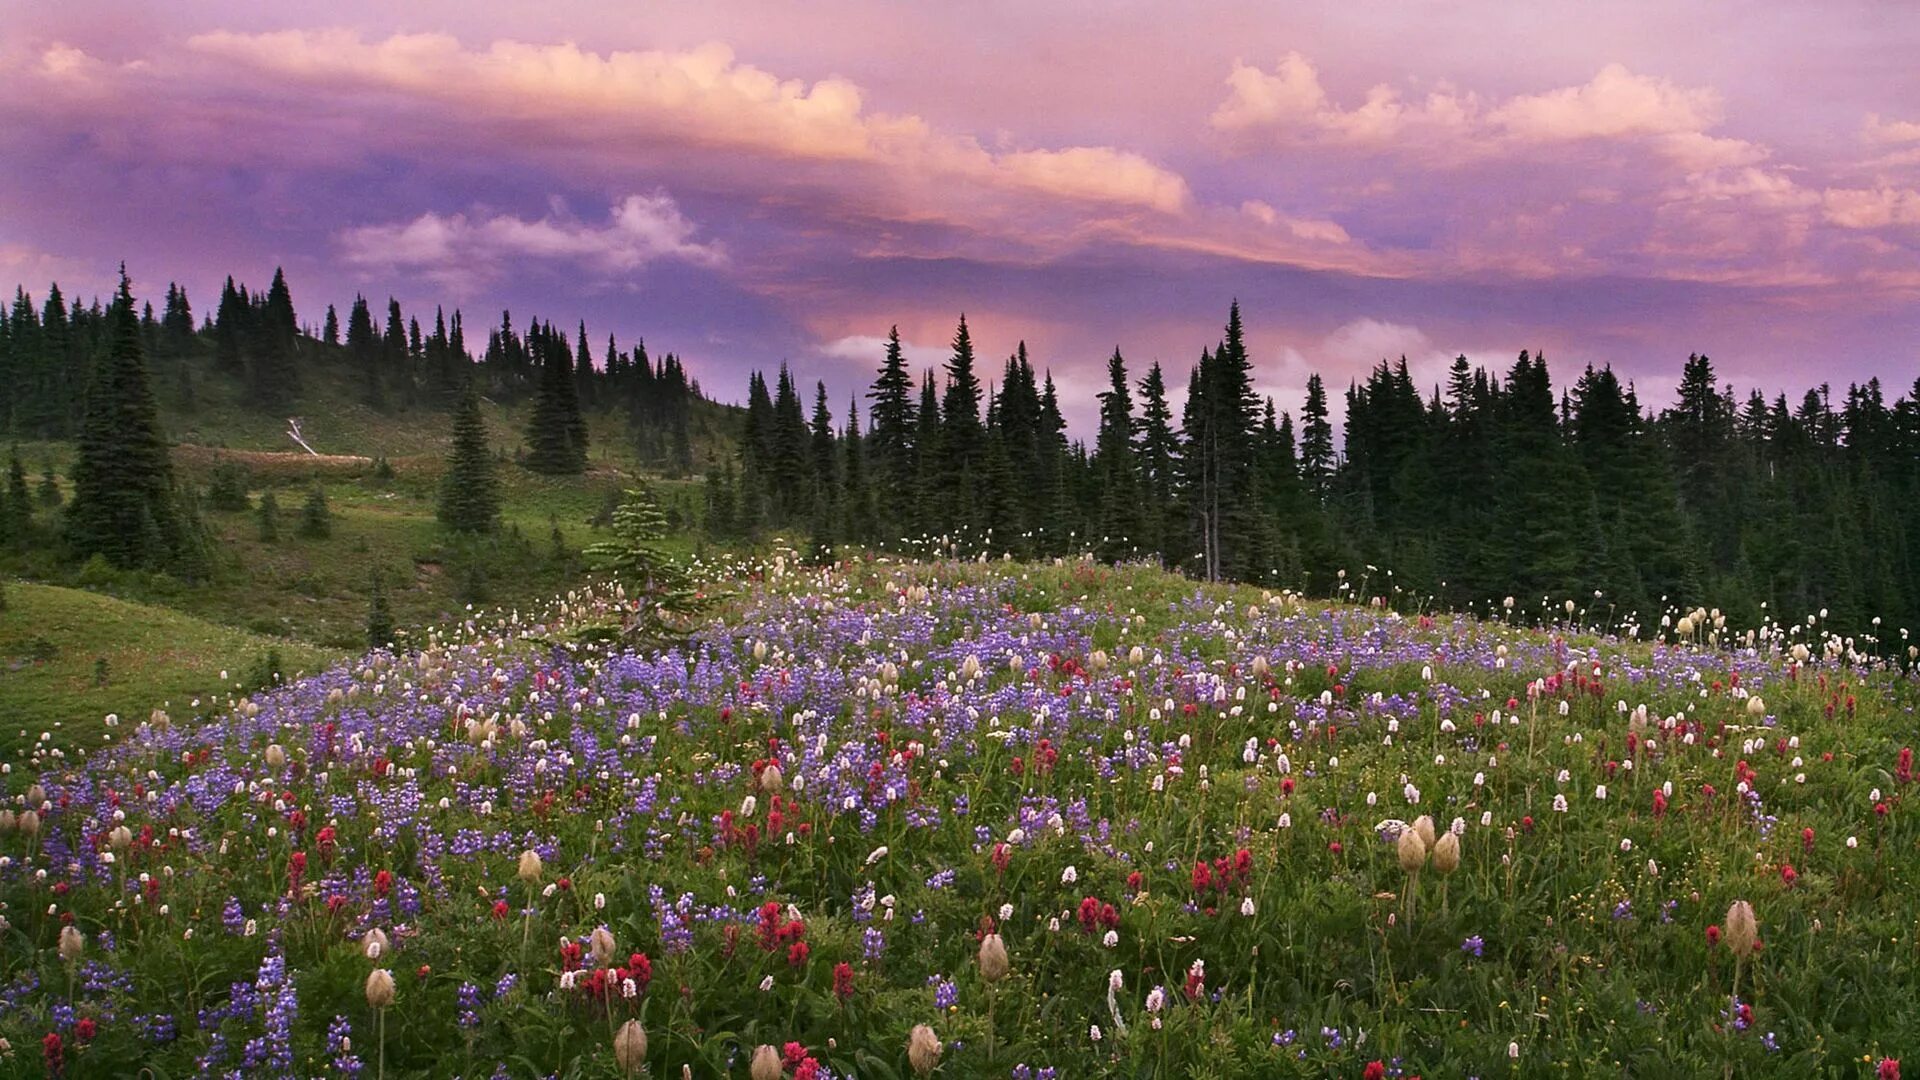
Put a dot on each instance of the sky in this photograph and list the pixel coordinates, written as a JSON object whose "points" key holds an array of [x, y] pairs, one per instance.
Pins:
{"points": [[750, 183]]}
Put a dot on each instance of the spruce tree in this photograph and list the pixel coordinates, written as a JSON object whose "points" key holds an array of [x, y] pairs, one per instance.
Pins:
{"points": [[379, 614], [1316, 441], [963, 438], [1159, 448], [17, 521], [316, 520], [123, 501], [1118, 532], [330, 334], [269, 517], [660, 592], [556, 432], [469, 494], [892, 419]]}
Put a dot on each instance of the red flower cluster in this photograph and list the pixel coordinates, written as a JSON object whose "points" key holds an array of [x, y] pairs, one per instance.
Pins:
{"points": [[1095, 915], [1903, 772], [843, 980], [792, 934], [794, 1056], [1224, 873]]}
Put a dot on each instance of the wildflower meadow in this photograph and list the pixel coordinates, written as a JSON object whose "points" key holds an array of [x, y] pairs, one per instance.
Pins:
{"points": [[889, 819]]}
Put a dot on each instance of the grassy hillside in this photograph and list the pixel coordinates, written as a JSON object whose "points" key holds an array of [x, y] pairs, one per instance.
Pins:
{"points": [[69, 657], [380, 471], [1074, 820]]}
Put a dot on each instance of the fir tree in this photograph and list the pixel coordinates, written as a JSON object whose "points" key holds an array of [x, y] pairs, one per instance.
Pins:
{"points": [[269, 517], [962, 435], [1118, 532], [469, 494], [331, 334], [1316, 440], [893, 419], [379, 613], [16, 521], [659, 591], [556, 433], [123, 502], [316, 520]]}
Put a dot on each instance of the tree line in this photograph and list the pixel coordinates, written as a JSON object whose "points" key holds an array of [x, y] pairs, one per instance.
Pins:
{"points": [[1491, 485], [50, 353]]}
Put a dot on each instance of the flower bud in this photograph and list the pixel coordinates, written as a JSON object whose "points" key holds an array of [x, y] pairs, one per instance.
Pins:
{"points": [[72, 943], [1424, 826], [1446, 853], [1742, 929], [600, 944], [379, 988], [374, 944], [530, 865], [772, 780], [994, 964], [630, 1047], [1413, 851], [766, 1063], [923, 1050]]}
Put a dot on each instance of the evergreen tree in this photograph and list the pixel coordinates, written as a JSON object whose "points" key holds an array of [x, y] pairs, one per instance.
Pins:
{"points": [[856, 490], [316, 520], [273, 372], [893, 422], [269, 517], [123, 502], [719, 519], [469, 494], [1158, 448], [331, 334], [1316, 441], [556, 432], [659, 591], [379, 613], [1118, 533], [962, 435]]}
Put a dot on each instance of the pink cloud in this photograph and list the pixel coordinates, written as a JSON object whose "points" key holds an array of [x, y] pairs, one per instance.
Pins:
{"points": [[463, 252]]}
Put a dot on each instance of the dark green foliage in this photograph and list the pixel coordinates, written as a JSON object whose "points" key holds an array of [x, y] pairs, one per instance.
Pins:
{"points": [[49, 489], [16, 504], [316, 520], [469, 493], [227, 490], [1115, 459], [123, 502], [660, 593], [556, 430], [269, 517], [379, 613]]}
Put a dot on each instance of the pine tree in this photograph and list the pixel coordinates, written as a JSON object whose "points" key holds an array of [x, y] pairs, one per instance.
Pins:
{"points": [[962, 435], [379, 613], [331, 334], [1118, 532], [123, 502], [363, 345], [659, 590], [1158, 448], [269, 517], [556, 434], [273, 375], [469, 494], [316, 520], [1316, 441], [16, 521], [856, 489], [719, 520], [893, 421]]}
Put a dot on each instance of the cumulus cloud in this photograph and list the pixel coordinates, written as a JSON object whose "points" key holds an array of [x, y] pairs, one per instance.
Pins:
{"points": [[702, 97], [462, 251], [1289, 103], [1304, 228], [1881, 132]]}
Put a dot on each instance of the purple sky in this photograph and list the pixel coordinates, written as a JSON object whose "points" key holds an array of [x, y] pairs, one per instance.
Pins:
{"points": [[744, 183]]}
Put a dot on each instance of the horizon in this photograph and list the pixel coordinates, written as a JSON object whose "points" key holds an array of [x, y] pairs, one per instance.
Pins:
{"points": [[1625, 190]]}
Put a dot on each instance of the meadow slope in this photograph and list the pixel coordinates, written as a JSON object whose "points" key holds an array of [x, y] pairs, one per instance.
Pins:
{"points": [[1076, 820]]}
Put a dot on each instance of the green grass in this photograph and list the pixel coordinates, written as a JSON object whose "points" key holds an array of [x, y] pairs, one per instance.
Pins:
{"points": [[53, 639]]}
